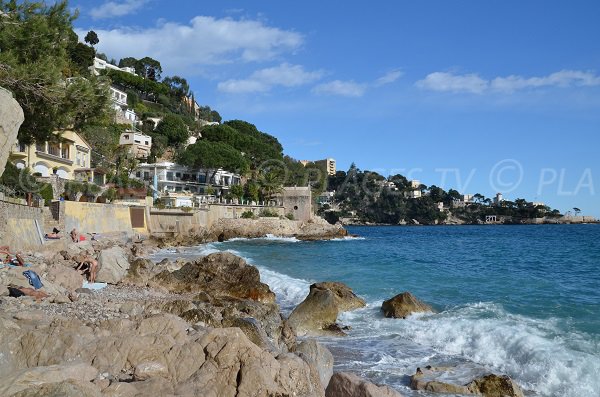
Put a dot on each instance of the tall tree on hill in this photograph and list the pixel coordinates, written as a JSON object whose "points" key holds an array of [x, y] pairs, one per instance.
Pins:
{"points": [[91, 38], [211, 156], [149, 68], [173, 127], [178, 85], [35, 62], [128, 62]]}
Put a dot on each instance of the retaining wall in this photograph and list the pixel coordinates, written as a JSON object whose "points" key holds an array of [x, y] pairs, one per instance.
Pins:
{"points": [[96, 218], [18, 227]]}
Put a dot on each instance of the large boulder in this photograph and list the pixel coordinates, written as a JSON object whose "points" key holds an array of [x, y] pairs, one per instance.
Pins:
{"points": [[219, 274], [319, 310], [434, 379], [162, 355], [113, 264], [66, 277], [11, 118], [343, 384], [345, 298], [403, 305], [319, 357]]}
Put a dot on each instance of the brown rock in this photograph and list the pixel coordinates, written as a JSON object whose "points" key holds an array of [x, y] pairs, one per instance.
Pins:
{"points": [[345, 298], [220, 274], [319, 311], [319, 357], [343, 384], [491, 385], [403, 305], [496, 386], [24, 379]]}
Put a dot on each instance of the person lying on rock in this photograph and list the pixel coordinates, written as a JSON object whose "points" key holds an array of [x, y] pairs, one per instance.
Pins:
{"points": [[76, 236], [86, 264], [16, 260], [15, 291], [54, 235]]}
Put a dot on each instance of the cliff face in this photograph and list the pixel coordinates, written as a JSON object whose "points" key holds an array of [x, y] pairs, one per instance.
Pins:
{"points": [[11, 118]]}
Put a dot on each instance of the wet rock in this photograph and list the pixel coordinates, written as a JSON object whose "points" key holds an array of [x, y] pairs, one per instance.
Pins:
{"points": [[349, 385], [404, 304], [432, 379], [319, 311]]}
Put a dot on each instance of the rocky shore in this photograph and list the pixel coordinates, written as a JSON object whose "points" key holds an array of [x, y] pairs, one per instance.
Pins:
{"points": [[204, 328], [224, 229], [207, 327]]}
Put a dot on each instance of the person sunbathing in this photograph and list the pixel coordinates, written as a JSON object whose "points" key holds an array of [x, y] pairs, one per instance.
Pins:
{"points": [[54, 235], [15, 260], [76, 236], [87, 264], [16, 291]]}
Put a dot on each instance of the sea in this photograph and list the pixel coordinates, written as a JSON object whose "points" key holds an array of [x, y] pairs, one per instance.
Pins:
{"points": [[517, 300]]}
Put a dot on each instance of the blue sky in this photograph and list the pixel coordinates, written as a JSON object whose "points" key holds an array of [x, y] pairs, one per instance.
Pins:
{"points": [[478, 96]]}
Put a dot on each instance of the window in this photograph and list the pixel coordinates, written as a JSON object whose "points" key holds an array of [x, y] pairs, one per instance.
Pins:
{"points": [[178, 189], [138, 174], [64, 151], [202, 178], [178, 174], [40, 147], [146, 175], [169, 176], [137, 141], [126, 136], [146, 143]]}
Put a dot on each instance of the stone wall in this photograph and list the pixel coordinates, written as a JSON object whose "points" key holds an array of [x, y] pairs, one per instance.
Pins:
{"points": [[11, 118], [19, 226], [298, 202]]}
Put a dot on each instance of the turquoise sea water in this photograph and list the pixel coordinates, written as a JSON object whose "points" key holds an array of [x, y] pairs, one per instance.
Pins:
{"points": [[520, 300]]}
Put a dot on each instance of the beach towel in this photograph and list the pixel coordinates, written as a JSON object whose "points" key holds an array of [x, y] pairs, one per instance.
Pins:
{"points": [[34, 279]]}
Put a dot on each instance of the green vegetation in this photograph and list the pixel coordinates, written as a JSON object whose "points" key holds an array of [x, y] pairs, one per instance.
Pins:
{"points": [[368, 197], [248, 215], [268, 213], [40, 51]]}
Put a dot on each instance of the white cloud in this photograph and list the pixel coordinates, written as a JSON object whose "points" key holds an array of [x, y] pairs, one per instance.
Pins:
{"points": [[112, 9], [564, 78], [341, 88], [448, 82], [388, 78], [285, 75], [442, 81], [204, 41]]}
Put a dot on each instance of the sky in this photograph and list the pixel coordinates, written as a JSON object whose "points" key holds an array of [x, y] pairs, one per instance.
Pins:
{"points": [[479, 96]]}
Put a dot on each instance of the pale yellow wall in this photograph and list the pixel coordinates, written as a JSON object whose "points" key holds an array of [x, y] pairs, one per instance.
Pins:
{"points": [[97, 218]]}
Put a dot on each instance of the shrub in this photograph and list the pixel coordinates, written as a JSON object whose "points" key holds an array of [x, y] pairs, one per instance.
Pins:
{"points": [[269, 213], [247, 214], [110, 194], [185, 209], [290, 216], [47, 193]]}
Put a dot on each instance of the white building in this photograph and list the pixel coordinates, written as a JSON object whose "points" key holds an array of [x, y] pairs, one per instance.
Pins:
{"points": [[175, 178], [415, 192], [138, 144], [498, 199], [101, 64], [123, 114]]}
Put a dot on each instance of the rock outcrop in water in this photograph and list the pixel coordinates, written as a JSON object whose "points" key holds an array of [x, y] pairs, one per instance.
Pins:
{"points": [[319, 311], [349, 385], [220, 274], [403, 305], [431, 379]]}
